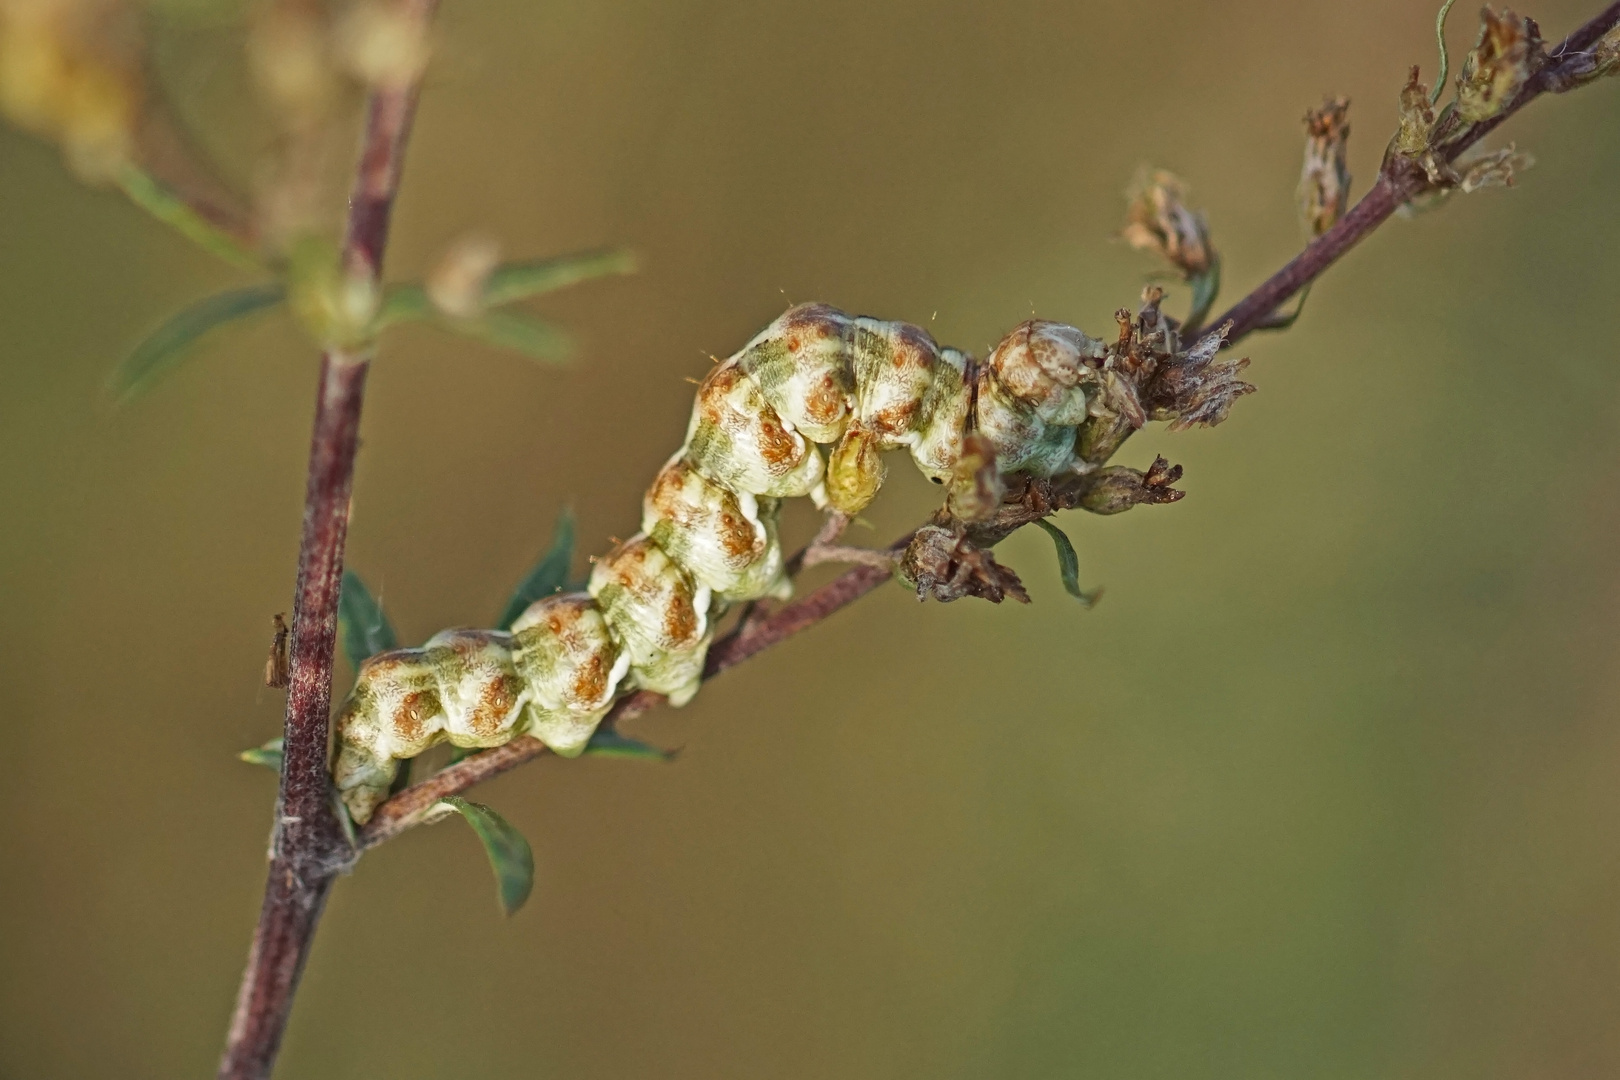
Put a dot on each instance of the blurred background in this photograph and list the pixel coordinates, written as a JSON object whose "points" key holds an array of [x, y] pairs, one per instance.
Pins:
{"points": [[1325, 786]]}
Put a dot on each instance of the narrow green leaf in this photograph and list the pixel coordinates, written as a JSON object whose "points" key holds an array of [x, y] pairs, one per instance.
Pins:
{"points": [[362, 626], [164, 347], [1283, 322], [461, 753], [146, 192], [519, 280], [509, 854], [532, 338], [504, 329], [404, 303], [1068, 564], [268, 755], [549, 575], [605, 743]]}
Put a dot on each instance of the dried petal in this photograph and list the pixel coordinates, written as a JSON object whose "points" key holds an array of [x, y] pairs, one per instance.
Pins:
{"points": [[1197, 388], [1494, 169]]}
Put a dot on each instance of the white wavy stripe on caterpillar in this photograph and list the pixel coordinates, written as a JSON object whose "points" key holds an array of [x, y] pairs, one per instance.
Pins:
{"points": [[814, 378]]}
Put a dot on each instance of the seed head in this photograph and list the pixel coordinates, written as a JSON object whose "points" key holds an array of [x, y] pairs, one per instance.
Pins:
{"points": [[1158, 220], [1324, 181], [383, 45], [456, 285], [1507, 54]]}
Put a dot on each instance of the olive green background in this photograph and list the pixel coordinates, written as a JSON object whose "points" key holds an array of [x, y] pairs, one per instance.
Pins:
{"points": [[1324, 787]]}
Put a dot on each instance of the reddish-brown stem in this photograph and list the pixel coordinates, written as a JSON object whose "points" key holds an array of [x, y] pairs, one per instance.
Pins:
{"points": [[1400, 181], [309, 847]]}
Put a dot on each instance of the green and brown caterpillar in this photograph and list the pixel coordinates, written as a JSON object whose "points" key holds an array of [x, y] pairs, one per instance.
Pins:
{"points": [[814, 378]]}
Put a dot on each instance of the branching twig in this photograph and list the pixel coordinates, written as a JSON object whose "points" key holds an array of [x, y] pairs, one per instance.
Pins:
{"points": [[1400, 181], [309, 845]]}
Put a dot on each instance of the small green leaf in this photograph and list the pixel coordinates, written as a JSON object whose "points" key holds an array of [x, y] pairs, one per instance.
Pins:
{"points": [[268, 755], [605, 743], [166, 346], [519, 280], [1206, 287], [503, 329], [461, 753], [1068, 564], [363, 627], [509, 854], [549, 575]]}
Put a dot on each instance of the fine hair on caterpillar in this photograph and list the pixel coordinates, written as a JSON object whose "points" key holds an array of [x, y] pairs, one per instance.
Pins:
{"points": [[805, 408]]}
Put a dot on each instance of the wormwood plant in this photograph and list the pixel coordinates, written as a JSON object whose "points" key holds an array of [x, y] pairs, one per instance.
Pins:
{"points": [[808, 407]]}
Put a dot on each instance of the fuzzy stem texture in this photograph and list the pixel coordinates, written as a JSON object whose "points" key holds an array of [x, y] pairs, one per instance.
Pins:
{"points": [[309, 846]]}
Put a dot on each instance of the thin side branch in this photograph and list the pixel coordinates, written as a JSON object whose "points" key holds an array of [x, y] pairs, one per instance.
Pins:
{"points": [[1400, 181], [309, 845]]}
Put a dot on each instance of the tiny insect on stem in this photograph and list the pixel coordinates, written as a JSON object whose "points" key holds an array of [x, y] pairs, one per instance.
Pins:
{"points": [[278, 665]]}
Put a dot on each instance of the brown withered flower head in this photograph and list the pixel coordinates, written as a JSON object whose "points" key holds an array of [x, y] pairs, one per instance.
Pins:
{"points": [[1507, 54], [1158, 220], [1324, 181]]}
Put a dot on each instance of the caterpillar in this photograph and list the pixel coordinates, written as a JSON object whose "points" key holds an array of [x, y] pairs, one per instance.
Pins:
{"points": [[806, 408]]}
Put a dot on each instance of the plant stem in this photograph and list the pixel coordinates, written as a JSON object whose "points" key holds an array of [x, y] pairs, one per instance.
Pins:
{"points": [[1397, 183], [309, 845], [1401, 180]]}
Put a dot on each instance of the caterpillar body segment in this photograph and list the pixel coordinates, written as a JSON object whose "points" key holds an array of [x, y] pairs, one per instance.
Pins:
{"points": [[806, 408]]}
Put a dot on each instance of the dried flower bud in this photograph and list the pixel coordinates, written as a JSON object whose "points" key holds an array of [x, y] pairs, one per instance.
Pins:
{"points": [[1507, 54], [336, 309], [383, 45], [456, 285], [943, 566], [287, 52], [1324, 181], [1116, 489], [1158, 220], [1416, 117], [67, 73]]}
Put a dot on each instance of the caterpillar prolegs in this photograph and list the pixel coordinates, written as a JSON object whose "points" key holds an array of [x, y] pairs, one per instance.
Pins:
{"points": [[814, 378]]}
